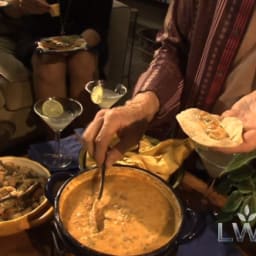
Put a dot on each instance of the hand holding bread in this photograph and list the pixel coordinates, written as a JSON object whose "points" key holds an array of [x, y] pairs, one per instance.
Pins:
{"points": [[240, 121]]}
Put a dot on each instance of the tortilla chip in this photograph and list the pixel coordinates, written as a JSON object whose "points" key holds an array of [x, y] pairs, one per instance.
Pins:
{"points": [[213, 131]]}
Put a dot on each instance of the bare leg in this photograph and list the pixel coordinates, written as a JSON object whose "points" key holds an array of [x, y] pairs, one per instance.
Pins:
{"points": [[49, 75], [82, 69]]}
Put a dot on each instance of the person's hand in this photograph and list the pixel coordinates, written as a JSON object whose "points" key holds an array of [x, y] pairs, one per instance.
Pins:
{"points": [[34, 6], [245, 110], [91, 37], [128, 122]]}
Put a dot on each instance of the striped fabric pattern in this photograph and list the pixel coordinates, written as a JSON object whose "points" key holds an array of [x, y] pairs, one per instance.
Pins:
{"points": [[229, 51]]}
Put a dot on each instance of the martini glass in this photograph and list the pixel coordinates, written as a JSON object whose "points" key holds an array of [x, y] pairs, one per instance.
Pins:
{"points": [[57, 113], [103, 94]]}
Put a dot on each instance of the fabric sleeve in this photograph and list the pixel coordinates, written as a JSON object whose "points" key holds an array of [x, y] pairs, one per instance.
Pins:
{"points": [[165, 73]]}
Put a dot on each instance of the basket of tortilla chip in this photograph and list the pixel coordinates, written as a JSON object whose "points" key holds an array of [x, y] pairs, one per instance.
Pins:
{"points": [[65, 43], [211, 130], [22, 201]]}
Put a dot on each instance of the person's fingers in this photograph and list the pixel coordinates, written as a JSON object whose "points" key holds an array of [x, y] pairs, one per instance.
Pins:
{"points": [[246, 118], [230, 112], [36, 4], [128, 131], [43, 1], [128, 138], [249, 144], [43, 4], [35, 7], [112, 156], [100, 133], [111, 125], [92, 130]]}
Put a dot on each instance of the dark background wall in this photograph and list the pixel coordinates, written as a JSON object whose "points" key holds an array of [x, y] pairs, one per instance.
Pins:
{"points": [[150, 17]]}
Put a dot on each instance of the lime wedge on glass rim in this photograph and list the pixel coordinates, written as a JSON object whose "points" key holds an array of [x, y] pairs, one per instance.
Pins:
{"points": [[52, 108], [97, 94]]}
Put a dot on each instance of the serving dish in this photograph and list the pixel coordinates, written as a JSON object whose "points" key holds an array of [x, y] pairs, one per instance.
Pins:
{"points": [[36, 214], [162, 215], [61, 44]]}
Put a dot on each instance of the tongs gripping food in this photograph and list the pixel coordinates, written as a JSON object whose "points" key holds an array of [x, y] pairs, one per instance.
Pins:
{"points": [[102, 180]]}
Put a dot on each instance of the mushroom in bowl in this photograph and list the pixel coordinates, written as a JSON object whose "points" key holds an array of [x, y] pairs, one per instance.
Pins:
{"points": [[22, 200]]}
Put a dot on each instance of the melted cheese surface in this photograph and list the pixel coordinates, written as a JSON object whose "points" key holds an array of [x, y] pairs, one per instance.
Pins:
{"points": [[137, 218]]}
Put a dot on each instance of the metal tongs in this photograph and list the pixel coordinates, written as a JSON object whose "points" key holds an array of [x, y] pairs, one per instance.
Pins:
{"points": [[102, 180], [96, 216]]}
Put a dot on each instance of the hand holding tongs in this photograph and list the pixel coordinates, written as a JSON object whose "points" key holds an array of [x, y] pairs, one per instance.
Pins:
{"points": [[102, 169]]}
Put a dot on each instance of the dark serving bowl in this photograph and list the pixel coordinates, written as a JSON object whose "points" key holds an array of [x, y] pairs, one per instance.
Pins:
{"points": [[72, 182]]}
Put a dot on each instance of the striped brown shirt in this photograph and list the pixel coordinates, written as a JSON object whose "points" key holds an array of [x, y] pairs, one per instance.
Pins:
{"points": [[199, 42]]}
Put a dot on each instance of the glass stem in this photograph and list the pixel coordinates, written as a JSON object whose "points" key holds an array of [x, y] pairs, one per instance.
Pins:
{"points": [[57, 139]]}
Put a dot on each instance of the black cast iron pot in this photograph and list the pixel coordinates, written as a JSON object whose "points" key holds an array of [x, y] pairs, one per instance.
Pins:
{"points": [[66, 243]]}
